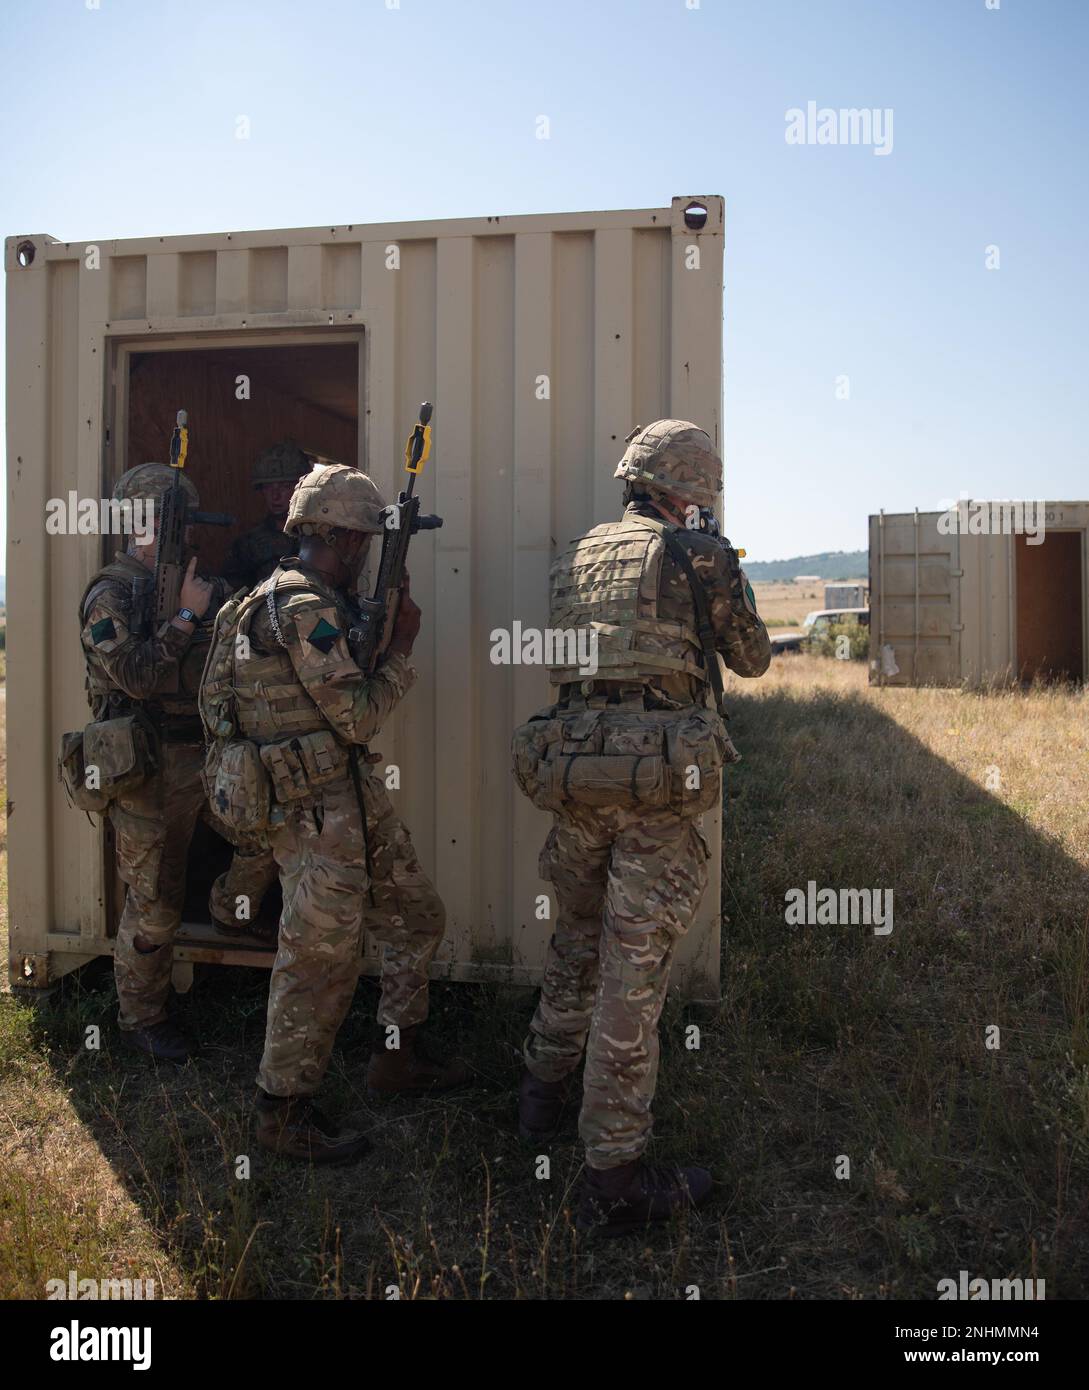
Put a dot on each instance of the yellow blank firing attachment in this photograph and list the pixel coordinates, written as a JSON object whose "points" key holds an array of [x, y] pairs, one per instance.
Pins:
{"points": [[415, 461], [179, 442], [741, 554]]}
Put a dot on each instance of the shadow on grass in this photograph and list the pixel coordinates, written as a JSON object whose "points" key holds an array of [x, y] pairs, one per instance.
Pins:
{"points": [[831, 1044]]}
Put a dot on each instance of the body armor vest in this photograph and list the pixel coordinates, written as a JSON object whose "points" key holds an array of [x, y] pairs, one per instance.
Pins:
{"points": [[270, 703], [609, 582]]}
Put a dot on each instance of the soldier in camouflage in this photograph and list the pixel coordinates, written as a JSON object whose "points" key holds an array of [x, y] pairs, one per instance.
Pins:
{"points": [[134, 667], [346, 861], [256, 553], [629, 875]]}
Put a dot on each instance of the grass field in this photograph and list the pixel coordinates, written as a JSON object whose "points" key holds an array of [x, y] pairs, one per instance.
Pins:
{"points": [[783, 606], [829, 1042]]}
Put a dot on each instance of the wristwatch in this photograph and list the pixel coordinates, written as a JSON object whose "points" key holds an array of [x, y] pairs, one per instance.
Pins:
{"points": [[187, 615]]}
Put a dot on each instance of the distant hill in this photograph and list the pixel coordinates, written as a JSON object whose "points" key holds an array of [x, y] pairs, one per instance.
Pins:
{"points": [[829, 564]]}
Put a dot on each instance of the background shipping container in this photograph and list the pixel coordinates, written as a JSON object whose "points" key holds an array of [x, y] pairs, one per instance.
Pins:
{"points": [[542, 341], [947, 608]]}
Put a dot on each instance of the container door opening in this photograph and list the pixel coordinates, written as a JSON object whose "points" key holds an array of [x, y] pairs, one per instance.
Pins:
{"points": [[239, 400], [1050, 611]]}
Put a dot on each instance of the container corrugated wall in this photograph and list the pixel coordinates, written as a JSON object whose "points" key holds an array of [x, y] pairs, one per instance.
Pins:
{"points": [[946, 604], [621, 312]]}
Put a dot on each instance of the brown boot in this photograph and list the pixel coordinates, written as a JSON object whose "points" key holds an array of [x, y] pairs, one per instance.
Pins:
{"points": [[408, 1068], [616, 1200], [540, 1105], [294, 1127]]}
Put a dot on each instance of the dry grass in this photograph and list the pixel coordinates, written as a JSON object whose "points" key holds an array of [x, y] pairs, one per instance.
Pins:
{"points": [[783, 605], [830, 1041]]}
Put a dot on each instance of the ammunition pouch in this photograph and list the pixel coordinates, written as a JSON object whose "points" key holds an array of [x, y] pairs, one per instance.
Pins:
{"points": [[300, 766], [237, 785], [72, 775], [120, 754], [616, 757]]}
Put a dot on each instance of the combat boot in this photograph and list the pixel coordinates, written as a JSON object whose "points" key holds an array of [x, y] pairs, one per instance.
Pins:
{"points": [[618, 1200], [540, 1105], [294, 1127], [164, 1041], [409, 1068]]}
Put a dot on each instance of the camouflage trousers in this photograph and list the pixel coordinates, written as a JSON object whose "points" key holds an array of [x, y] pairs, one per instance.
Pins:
{"points": [[153, 826], [327, 906], [627, 884]]}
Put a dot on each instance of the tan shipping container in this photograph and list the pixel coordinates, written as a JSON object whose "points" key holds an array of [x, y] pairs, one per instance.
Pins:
{"points": [[542, 341], [948, 606]]}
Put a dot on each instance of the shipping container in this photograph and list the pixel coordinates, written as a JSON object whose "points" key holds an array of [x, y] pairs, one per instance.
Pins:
{"points": [[845, 596], [541, 340], [952, 605]]}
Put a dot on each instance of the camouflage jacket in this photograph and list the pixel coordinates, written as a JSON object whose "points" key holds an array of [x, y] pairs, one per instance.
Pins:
{"points": [[256, 553], [305, 664], [130, 661], [739, 633]]}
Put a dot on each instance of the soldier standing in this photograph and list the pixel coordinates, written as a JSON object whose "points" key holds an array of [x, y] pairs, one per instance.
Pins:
{"points": [[135, 669], [629, 866], [346, 861], [256, 553]]}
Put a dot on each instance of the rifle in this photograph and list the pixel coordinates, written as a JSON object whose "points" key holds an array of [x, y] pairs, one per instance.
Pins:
{"points": [[377, 614], [174, 517]]}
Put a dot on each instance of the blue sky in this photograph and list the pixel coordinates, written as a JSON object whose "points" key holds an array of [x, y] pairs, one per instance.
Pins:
{"points": [[839, 262]]}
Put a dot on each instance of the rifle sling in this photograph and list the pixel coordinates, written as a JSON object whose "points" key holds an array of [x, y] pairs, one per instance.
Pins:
{"points": [[703, 616], [353, 763]]}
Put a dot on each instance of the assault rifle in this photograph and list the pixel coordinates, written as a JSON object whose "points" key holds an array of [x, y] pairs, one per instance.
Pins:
{"points": [[377, 614], [174, 517]]}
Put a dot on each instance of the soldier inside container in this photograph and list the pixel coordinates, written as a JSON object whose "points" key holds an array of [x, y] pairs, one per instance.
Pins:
{"points": [[627, 855], [134, 668], [256, 553], [346, 861]]}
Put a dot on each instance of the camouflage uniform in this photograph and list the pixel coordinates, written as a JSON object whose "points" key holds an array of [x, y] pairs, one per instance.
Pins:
{"points": [[256, 553], [299, 679], [131, 666], [628, 878]]}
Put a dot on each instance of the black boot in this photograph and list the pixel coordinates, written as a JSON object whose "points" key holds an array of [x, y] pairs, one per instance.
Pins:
{"points": [[294, 1127], [164, 1041], [540, 1105], [618, 1200]]}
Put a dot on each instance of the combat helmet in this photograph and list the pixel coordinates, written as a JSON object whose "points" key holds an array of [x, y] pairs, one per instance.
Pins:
{"points": [[677, 457], [280, 463], [334, 498], [150, 481]]}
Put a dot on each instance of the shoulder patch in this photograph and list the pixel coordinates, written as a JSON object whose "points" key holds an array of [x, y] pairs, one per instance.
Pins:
{"points": [[323, 635], [750, 597], [103, 631]]}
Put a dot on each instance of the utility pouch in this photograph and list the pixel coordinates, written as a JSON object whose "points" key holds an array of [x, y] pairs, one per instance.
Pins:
{"points": [[72, 775], [300, 765], [615, 757], [237, 785], [124, 752], [697, 747], [529, 749]]}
